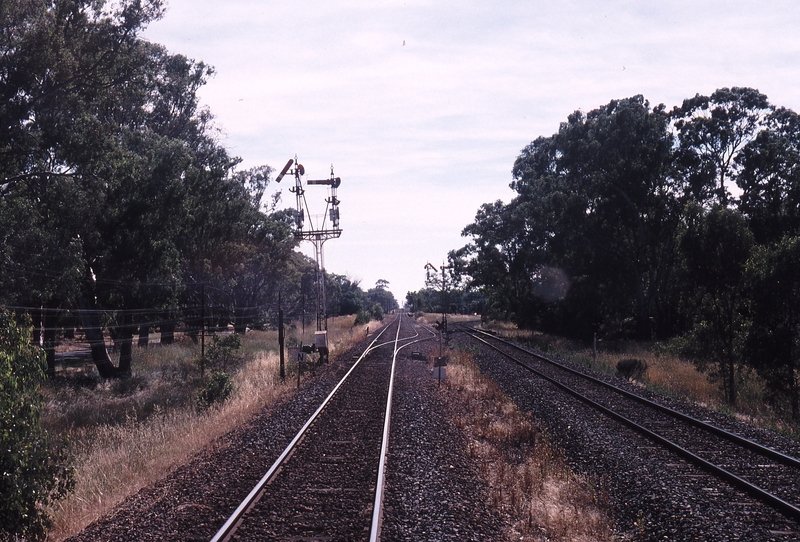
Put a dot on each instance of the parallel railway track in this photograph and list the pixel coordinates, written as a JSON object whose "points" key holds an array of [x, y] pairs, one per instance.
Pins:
{"points": [[330, 478], [765, 474]]}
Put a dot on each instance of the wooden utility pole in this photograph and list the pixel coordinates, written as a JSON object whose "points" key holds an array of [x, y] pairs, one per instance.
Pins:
{"points": [[281, 337]]}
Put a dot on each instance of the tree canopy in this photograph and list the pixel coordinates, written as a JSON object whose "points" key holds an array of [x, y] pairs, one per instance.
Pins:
{"points": [[635, 221], [116, 198]]}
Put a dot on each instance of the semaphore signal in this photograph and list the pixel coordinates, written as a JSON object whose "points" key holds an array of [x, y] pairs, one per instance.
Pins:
{"points": [[326, 228]]}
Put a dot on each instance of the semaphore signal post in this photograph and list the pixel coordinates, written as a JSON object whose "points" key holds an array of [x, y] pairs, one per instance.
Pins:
{"points": [[319, 229]]}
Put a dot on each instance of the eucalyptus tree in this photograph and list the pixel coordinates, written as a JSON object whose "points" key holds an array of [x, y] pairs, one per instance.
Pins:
{"points": [[712, 131], [345, 295], [502, 256], [380, 295], [73, 81], [770, 178], [423, 300], [255, 271], [772, 340], [116, 191], [593, 226]]}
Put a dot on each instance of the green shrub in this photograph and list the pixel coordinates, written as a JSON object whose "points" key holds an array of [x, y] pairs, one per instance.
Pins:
{"points": [[223, 352], [377, 312], [363, 317], [218, 388], [32, 474]]}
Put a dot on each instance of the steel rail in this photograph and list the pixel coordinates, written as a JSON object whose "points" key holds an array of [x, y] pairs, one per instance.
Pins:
{"points": [[788, 509], [377, 507], [733, 437], [235, 518]]}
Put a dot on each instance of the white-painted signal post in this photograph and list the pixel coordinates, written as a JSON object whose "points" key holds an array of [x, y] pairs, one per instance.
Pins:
{"points": [[317, 229]]}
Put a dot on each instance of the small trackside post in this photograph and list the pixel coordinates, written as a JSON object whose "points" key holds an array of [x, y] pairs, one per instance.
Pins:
{"points": [[281, 338]]}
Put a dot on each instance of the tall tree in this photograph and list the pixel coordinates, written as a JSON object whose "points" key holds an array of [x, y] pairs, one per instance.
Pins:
{"points": [[345, 295], [380, 295], [70, 73], [712, 130], [598, 205], [770, 178], [502, 256], [132, 195]]}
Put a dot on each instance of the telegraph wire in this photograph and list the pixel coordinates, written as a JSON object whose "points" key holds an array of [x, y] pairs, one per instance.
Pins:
{"points": [[186, 316]]}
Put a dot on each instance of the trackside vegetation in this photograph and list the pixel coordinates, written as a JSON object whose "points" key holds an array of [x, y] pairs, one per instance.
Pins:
{"points": [[120, 211], [679, 226], [33, 470], [529, 480]]}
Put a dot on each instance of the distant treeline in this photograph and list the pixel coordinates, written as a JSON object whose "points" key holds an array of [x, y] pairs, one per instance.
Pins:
{"points": [[455, 300], [639, 222], [345, 296]]}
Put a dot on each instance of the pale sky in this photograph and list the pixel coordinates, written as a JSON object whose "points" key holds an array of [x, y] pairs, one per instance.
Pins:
{"points": [[422, 107]]}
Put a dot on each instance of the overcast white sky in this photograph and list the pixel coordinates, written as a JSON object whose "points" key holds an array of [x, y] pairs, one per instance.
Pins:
{"points": [[422, 106]]}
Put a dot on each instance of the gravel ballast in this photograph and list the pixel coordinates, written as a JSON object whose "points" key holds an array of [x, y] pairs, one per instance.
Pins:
{"points": [[433, 492], [655, 495]]}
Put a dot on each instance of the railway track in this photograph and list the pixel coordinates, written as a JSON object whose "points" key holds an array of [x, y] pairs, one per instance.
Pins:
{"points": [[766, 474], [330, 479]]}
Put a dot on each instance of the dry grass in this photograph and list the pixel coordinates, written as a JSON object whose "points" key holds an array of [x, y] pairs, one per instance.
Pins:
{"points": [[668, 374], [431, 318], [127, 434], [677, 376], [529, 480], [114, 460]]}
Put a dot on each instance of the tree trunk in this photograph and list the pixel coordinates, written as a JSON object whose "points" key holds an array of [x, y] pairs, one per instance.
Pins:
{"points": [[193, 332], [125, 341], [167, 333], [113, 332], [144, 336], [731, 376], [239, 321], [94, 334], [50, 319], [729, 332]]}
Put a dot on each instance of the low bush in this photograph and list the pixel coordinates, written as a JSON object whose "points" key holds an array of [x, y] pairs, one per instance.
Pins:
{"points": [[222, 352], [631, 368], [218, 388], [363, 317]]}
